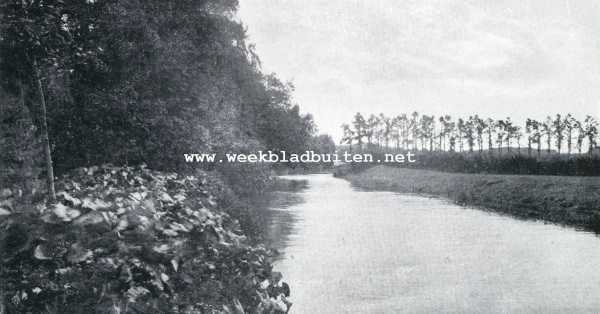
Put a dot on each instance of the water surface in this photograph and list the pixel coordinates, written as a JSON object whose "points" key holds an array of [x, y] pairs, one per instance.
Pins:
{"points": [[352, 251]]}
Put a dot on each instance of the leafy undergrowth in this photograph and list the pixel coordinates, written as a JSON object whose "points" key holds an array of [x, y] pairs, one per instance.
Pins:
{"points": [[127, 240]]}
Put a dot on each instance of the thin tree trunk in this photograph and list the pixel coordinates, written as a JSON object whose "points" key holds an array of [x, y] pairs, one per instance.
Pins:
{"points": [[45, 137], [569, 143]]}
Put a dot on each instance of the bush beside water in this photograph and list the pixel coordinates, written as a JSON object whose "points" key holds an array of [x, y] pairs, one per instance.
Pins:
{"points": [[127, 239]]}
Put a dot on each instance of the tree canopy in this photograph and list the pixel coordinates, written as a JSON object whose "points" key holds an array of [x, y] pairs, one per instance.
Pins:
{"points": [[131, 82]]}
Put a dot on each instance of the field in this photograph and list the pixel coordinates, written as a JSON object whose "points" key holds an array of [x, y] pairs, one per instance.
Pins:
{"points": [[573, 201]]}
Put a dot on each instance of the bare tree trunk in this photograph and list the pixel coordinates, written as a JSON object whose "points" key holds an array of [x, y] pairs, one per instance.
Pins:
{"points": [[45, 138]]}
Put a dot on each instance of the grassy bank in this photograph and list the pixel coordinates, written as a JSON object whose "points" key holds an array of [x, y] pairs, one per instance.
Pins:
{"points": [[573, 201]]}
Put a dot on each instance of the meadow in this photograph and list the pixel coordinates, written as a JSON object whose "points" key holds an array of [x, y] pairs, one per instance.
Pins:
{"points": [[566, 200]]}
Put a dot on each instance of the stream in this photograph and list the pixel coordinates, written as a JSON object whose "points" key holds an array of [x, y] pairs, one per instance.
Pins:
{"points": [[346, 250]]}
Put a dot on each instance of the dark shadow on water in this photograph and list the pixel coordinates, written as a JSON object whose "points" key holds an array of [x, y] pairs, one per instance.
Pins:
{"points": [[288, 185], [275, 211]]}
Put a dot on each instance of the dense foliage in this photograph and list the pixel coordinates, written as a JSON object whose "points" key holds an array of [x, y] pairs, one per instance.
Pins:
{"points": [[125, 239], [19, 149], [128, 82], [86, 83]]}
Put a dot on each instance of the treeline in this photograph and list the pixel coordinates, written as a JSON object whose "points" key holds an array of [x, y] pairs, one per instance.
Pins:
{"points": [[424, 132], [129, 82], [559, 145]]}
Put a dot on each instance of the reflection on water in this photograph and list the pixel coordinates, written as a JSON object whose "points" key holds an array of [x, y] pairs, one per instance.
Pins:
{"points": [[289, 184], [280, 220], [351, 251]]}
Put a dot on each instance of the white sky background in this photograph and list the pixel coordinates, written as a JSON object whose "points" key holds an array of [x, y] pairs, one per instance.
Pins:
{"points": [[494, 58]]}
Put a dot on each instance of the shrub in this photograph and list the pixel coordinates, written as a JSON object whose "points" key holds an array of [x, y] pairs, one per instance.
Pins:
{"points": [[127, 239]]}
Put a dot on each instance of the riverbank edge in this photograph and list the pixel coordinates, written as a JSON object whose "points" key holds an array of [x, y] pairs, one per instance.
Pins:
{"points": [[567, 201]]}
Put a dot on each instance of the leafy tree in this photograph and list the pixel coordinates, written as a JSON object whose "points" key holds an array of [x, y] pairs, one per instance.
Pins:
{"points": [[470, 129], [360, 126], [559, 125], [516, 131], [536, 136], [414, 128], [446, 128], [388, 125], [569, 123], [490, 130], [400, 124], [348, 135], [370, 128], [480, 127], [529, 130], [322, 144], [591, 131], [426, 131], [500, 127], [581, 134], [547, 129], [452, 141], [509, 131], [33, 42], [460, 128]]}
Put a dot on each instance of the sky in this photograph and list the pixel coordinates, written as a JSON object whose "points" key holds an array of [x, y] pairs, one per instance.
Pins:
{"points": [[494, 58]]}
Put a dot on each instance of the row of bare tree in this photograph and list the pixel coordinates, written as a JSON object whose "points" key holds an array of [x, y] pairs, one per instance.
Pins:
{"points": [[424, 132]]}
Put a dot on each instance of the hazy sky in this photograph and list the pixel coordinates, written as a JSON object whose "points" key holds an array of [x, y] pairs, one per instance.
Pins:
{"points": [[493, 58]]}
